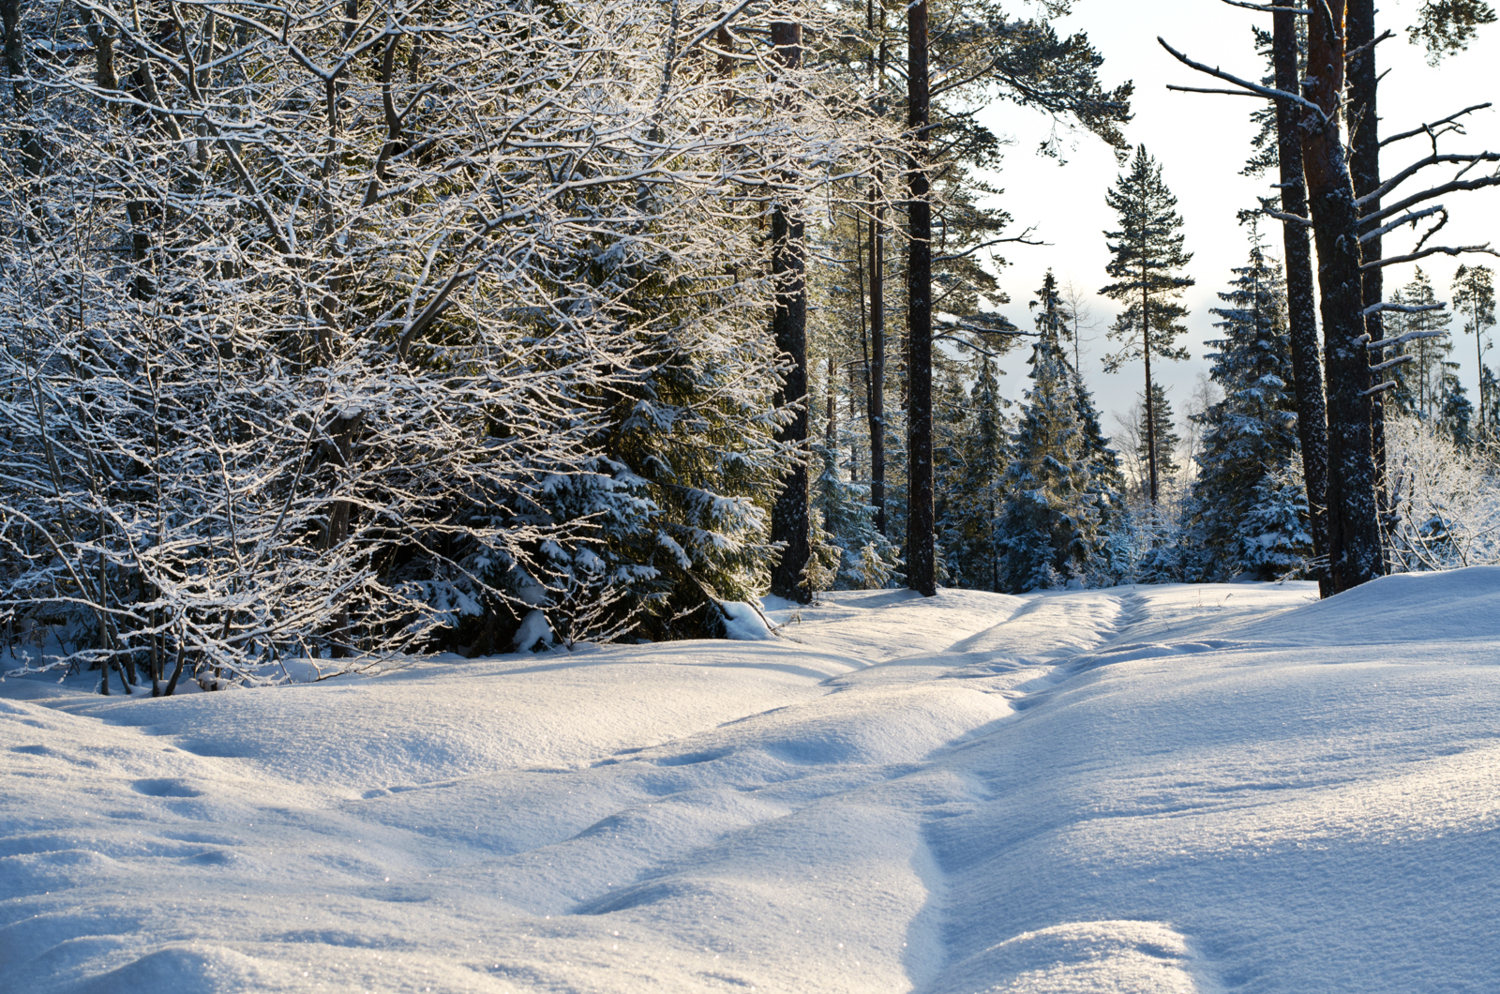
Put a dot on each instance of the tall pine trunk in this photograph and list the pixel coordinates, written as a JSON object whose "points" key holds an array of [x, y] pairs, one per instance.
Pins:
{"points": [[921, 553], [877, 353], [1364, 171], [789, 523], [1150, 398], [1354, 554], [1312, 417]]}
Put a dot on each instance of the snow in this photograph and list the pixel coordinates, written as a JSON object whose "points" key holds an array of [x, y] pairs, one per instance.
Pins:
{"points": [[1177, 788]]}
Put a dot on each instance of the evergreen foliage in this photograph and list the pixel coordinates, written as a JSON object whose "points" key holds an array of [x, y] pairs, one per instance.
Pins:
{"points": [[1057, 483], [1419, 380], [1146, 259], [1158, 433], [1474, 299], [969, 526], [1245, 498]]}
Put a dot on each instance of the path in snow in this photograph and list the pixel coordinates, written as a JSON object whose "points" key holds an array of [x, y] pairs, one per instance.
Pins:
{"points": [[1159, 789]]}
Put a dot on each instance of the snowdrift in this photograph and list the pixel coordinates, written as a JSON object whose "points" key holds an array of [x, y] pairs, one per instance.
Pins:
{"points": [[1197, 789]]}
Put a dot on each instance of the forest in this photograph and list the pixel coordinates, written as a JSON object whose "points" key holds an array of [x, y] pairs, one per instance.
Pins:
{"points": [[330, 331]]}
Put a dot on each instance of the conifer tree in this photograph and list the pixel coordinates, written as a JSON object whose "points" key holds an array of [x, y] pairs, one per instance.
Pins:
{"points": [[1146, 260], [1419, 380], [1490, 388], [1052, 513], [1455, 410], [1241, 498], [1157, 432], [970, 526], [1474, 299]]}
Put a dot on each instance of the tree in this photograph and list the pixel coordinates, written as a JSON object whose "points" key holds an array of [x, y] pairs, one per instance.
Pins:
{"points": [[309, 360], [1446, 27], [1455, 415], [975, 495], [1249, 440], [1157, 431], [789, 515], [1052, 514], [1474, 298], [976, 46], [1423, 322], [1287, 45], [1146, 259]]}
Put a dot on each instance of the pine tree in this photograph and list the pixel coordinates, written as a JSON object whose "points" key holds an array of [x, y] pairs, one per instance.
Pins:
{"points": [[1052, 514], [1474, 298], [1147, 257], [1419, 380], [1241, 498]]}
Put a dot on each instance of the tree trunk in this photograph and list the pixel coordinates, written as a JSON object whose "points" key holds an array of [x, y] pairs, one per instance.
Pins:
{"points": [[789, 521], [1354, 554], [877, 355], [1364, 170], [831, 430], [1150, 399], [1312, 418], [29, 140], [921, 553]]}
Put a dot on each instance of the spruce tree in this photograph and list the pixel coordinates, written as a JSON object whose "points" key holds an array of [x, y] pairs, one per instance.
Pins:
{"points": [[1243, 505], [1157, 432], [1455, 411], [1050, 529], [969, 525], [1146, 261]]}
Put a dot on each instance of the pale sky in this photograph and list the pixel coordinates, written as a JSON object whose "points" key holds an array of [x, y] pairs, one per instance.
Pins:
{"points": [[1202, 142]]}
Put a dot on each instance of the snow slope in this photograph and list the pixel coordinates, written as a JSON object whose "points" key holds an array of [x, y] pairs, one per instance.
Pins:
{"points": [[1213, 789]]}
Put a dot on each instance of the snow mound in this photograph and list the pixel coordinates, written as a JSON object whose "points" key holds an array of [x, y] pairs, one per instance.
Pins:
{"points": [[1109, 957], [1163, 789], [1459, 605]]}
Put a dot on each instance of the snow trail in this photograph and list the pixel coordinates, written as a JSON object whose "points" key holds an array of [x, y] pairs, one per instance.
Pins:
{"points": [[1163, 789]]}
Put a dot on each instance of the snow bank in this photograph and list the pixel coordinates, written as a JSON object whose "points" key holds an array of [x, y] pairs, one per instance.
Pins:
{"points": [[1142, 789]]}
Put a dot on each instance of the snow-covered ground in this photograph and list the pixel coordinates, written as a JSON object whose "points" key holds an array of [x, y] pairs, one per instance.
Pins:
{"points": [[1216, 789]]}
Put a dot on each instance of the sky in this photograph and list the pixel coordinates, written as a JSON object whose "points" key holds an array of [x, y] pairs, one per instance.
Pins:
{"points": [[1202, 142]]}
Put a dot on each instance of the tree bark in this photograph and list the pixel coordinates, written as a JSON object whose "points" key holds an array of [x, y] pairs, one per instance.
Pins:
{"points": [[1364, 170], [789, 523], [877, 355], [1302, 321], [921, 552], [29, 140], [1354, 554], [1150, 399]]}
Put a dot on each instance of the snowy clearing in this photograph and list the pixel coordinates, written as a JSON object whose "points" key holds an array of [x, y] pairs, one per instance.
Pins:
{"points": [[1177, 788]]}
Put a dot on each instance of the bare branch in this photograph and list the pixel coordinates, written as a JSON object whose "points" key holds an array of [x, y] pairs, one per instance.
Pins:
{"points": [[1410, 336], [1426, 129], [1435, 250], [1411, 219], [1265, 91]]}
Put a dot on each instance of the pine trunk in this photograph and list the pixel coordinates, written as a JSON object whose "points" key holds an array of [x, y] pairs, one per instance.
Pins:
{"points": [[789, 323], [1364, 171], [1312, 417], [877, 355], [921, 553], [1150, 405], [1354, 554]]}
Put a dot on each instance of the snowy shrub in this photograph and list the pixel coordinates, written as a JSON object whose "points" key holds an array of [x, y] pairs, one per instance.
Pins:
{"points": [[1445, 500], [319, 334]]}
